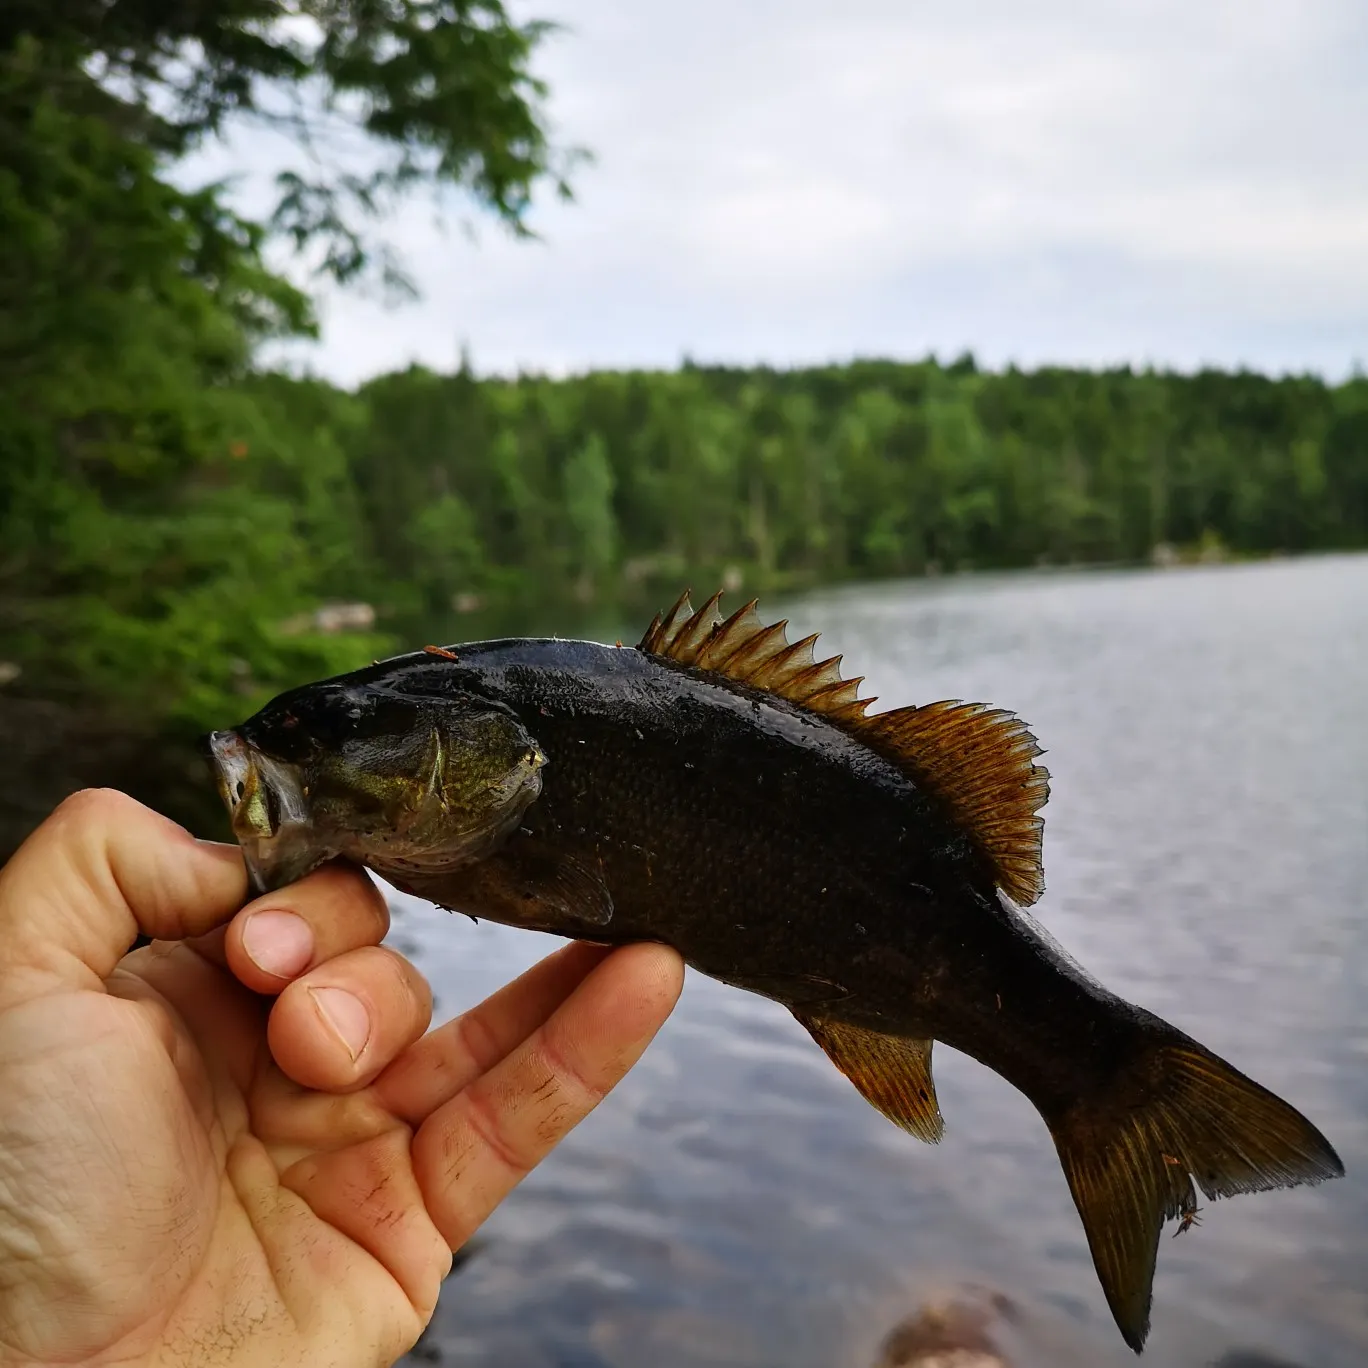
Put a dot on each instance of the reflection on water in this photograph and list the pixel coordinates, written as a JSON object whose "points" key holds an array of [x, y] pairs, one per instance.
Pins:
{"points": [[1206, 853]]}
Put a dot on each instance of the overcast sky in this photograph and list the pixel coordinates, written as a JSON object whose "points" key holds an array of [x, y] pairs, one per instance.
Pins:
{"points": [[789, 181]]}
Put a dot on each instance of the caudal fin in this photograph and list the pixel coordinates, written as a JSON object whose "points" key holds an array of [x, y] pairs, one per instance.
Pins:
{"points": [[1131, 1155]]}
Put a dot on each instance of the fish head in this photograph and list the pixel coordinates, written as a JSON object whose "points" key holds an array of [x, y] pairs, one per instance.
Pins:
{"points": [[400, 783]]}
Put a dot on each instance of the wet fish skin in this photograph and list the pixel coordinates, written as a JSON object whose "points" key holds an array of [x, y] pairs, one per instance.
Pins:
{"points": [[782, 853], [702, 811]]}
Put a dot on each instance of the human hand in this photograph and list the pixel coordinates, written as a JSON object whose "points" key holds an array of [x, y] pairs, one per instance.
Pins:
{"points": [[192, 1172]]}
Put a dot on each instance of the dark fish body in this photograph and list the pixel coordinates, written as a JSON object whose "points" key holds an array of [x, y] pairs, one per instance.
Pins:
{"points": [[771, 849], [722, 792]]}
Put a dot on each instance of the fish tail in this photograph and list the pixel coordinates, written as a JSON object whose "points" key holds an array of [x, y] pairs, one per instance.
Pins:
{"points": [[1174, 1114]]}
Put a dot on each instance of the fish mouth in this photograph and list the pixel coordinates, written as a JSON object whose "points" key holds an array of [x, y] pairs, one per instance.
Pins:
{"points": [[268, 811]]}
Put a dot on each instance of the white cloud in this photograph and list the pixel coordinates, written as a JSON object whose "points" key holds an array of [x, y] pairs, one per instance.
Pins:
{"points": [[1177, 181]]}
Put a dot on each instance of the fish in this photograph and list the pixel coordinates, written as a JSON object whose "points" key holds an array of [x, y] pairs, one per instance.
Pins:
{"points": [[722, 790]]}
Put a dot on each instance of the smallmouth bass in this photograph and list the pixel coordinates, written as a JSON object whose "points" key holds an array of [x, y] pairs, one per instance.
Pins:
{"points": [[723, 791]]}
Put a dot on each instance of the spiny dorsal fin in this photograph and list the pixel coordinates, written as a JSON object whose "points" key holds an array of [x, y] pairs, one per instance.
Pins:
{"points": [[977, 760], [744, 649], [893, 1073]]}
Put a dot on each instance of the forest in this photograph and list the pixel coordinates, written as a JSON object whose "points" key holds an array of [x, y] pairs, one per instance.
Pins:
{"points": [[172, 572], [172, 515]]}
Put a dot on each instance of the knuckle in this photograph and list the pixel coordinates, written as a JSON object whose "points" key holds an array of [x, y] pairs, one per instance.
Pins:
{"points": [[476, 1039], [568, 1075], [375, 901], [487, 1123], [97, 805], [413, 987], [354, 882]]}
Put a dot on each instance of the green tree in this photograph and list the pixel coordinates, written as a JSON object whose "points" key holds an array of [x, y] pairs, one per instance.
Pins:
{"points": [[382, 100], [163, 510], [589, 509], [448, 550]]}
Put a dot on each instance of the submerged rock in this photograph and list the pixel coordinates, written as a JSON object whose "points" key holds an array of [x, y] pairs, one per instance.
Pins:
{"points": [[954, 1331]]}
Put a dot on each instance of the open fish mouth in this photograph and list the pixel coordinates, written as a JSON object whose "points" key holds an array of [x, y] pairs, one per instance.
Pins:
{"points": [[268, 810]]}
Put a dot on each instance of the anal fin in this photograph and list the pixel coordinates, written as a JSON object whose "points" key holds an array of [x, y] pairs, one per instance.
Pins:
{"points": [[892, 1073]]}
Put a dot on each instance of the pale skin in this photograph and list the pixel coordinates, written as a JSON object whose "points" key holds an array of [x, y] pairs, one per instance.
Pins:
{"points": [[200, 1165]]}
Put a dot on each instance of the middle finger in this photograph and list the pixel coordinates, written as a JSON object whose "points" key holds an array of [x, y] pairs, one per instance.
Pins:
{"points": [[475, 1148]]}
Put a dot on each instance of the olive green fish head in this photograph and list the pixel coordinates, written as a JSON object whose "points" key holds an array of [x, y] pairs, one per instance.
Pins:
{"points": [[402, 784]]}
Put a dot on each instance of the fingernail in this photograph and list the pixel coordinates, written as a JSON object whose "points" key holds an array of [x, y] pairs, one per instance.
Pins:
{"points": [[346, 1016], [278, 943]]}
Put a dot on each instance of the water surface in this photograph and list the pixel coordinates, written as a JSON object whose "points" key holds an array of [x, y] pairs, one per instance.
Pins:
{"points": [[1206, 853]]}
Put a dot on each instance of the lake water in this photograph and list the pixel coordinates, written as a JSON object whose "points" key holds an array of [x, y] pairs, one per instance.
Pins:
{"points": [[1206, 853]]}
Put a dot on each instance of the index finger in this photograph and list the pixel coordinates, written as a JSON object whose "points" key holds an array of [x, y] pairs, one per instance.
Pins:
{"points": [[98, 871]]}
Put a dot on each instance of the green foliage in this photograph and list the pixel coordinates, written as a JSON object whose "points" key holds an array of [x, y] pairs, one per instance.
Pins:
{"points": [[617, 486], [168, 518], [447, 549], [421, 94], [150, 530], [589, 509]]}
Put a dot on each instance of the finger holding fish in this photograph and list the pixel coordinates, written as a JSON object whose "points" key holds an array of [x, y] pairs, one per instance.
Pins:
{"points": [[338, 1026], [474, 1149], [449, 1058], [283, 934]]}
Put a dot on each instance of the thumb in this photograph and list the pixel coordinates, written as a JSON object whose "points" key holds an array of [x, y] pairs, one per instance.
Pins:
{"points": [[101, 869]]}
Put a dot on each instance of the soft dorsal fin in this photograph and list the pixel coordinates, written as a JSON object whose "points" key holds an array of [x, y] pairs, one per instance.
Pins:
{"points": [[977, 760]]}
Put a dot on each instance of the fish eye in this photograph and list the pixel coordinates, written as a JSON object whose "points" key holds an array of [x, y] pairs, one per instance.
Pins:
{"points": [[333, 719]]}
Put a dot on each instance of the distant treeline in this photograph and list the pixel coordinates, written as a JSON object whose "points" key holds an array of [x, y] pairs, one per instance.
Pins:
{"points": [[590, 486], [179, 573]]}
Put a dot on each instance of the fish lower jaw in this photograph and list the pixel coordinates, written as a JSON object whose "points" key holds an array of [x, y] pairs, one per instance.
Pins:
{"points": [[274, 861], [269, 813], [232, 764]]}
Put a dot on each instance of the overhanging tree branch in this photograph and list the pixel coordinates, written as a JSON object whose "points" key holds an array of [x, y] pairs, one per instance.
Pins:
{"points": [[384, 98]]}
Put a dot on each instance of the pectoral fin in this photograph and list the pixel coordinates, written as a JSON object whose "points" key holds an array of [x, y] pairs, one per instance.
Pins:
{"points": [[527, 884], [892, 1072], [568, 891]]}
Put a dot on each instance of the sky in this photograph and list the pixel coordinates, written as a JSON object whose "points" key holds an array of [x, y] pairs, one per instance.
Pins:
{"points": [[1168, 182]]}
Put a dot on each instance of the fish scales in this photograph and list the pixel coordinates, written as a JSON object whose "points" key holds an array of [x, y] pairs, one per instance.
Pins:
{"points": [[774, 851]]}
